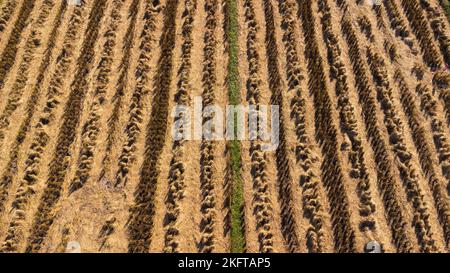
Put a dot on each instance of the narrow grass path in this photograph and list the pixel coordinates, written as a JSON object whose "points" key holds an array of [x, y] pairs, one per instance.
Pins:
{"points": [[445, 5], [237, 196]]}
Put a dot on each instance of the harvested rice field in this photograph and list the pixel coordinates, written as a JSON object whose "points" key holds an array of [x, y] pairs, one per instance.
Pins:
{"points": [[123, 126]]}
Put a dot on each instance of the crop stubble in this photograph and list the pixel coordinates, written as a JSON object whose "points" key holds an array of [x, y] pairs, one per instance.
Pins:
{"points": [[364, 152]]}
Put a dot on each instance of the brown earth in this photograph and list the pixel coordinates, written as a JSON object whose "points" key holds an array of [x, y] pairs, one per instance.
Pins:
{"points": [[87, 154]]}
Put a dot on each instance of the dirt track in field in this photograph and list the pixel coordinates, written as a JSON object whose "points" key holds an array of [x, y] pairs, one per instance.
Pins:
{"points": [[87, 154]]}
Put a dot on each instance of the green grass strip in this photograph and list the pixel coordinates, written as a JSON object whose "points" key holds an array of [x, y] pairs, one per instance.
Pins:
{"points": [[446, 6], [237, 196]]}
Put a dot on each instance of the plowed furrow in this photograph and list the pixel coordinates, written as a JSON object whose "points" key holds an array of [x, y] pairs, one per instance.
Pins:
{"points": [[176, 179], [420, 141], [207, 147], [349, 127], [441, 139], [441, 86], [91, 127], [326, 133], [384, 165], [439, 27], [41, 137], [398, 25], [141, 214], [284, 173], [430, 56], [14, 98], [6, 12], [365, 27], [420, 28], [122, 82], [409, 175], [379, 14], [8, 56], [134, 124], [261, 205], [425, 154], [11, 169], [309, 180], [32, 44], [225, 6], [66, 136]]}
